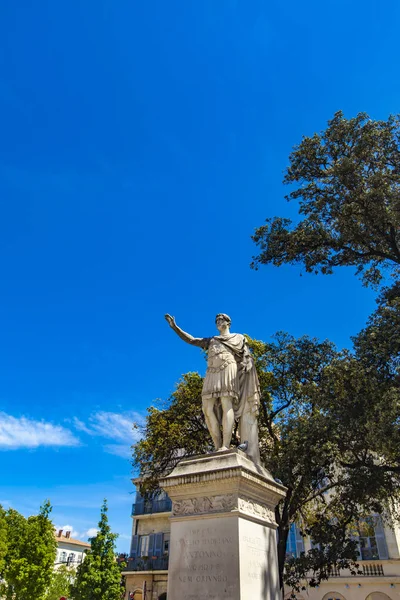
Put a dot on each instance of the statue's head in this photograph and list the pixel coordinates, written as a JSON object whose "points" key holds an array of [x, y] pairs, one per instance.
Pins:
{"points": [[222, 321]]}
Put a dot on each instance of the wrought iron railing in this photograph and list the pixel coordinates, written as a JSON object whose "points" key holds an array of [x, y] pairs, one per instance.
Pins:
{"points": [[364, 570], [151, 506], [142, 563]]}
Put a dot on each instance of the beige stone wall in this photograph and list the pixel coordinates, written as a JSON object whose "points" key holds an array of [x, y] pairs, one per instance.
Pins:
{"points": [[156, 584], [348, 587], [356, 589], [392, 535], [153, 525]]}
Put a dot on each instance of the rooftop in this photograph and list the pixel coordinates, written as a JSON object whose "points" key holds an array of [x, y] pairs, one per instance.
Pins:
{"points": [[69, 540]]}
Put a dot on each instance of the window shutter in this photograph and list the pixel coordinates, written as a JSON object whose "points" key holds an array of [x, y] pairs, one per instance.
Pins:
{"points": [[299, 541], [158, 544], [151, 544], [134, 546], [380, 538], [356, 538]]}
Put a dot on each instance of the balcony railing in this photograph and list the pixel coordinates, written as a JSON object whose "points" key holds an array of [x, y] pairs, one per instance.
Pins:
{"points": [[141, 563], [69, 561], [364, 570], [373, 570], [152, 506]]}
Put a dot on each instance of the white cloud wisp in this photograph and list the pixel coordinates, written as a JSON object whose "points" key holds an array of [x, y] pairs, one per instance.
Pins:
{"points": [[114, 426], [22, 432]]}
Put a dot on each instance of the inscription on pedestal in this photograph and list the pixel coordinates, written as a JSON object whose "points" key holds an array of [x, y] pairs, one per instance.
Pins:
{"points": [[208, 561], [258, 561], [257, 555]]}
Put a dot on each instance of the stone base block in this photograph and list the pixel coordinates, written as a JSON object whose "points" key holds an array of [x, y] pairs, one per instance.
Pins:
{"points": [[223, 531]]}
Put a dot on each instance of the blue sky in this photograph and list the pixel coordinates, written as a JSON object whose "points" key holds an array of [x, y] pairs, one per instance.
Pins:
{"points": [[141, 144]]}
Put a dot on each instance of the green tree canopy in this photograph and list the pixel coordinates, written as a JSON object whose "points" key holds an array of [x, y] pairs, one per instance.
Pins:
{"points": [[322, 412], [3, 538], [99, 575], [61, 583], [378, 344], [347, 183], [31, 552]]}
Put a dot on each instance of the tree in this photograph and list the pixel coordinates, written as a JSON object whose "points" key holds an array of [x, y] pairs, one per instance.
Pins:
{"points": [[99, 575], [378, 344], [3, 538], [30, 555], [61, 583], [348, 187], [311, 395]]}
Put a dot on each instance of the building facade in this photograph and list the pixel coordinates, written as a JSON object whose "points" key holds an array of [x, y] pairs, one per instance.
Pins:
{"points": [[146, 574], [70, 552]]}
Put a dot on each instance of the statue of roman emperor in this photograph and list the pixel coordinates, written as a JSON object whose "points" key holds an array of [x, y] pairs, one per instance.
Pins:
{"points": [[231, 381]]}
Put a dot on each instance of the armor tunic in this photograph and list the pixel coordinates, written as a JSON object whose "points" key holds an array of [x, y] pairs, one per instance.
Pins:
{"points": [[230, 372], [222, 372]]}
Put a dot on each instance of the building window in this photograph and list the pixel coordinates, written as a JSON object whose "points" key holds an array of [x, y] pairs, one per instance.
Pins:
{"points": [[144, 545], [370, 535], [63, 557], [166, 543], [333, 596], [295, 542], [71, 558]]}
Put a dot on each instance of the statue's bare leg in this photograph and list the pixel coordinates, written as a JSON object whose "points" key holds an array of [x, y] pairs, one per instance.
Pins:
{"points": [[248, 431], [212, 421], [228, 420]]}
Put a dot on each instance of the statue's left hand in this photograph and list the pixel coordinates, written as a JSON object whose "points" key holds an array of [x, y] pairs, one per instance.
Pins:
{"points": [[246, 365]]}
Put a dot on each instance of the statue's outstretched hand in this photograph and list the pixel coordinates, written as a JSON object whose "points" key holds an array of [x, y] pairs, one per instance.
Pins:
{"points": [[171, 320]]}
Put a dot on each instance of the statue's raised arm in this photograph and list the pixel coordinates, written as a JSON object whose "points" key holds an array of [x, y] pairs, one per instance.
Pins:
{"points": [[186, 337]]}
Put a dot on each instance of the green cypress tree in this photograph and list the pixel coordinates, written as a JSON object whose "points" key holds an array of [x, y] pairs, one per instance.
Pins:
{"points": [[99, 575]]}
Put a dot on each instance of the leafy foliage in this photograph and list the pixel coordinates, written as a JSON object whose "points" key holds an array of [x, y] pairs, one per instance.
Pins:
{"points": [[99, 575], [30, 556], [61, 583], [378, 344], [348, 179], [3, 538]]}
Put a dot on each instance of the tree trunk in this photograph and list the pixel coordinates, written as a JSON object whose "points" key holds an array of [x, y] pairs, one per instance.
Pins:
{"points": [[283, 533]]}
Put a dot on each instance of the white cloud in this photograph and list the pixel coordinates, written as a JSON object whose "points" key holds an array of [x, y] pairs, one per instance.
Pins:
{"points": [[115, 426], [92, 532], [80, 425], [122, 450], [26, 433]]}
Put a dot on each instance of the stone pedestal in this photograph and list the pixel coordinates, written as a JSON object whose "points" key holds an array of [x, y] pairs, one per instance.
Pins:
{"points": [[223, 530]]}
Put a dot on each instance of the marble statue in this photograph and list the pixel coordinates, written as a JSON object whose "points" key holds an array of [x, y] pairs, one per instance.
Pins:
{"points": [[231, 389]]}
